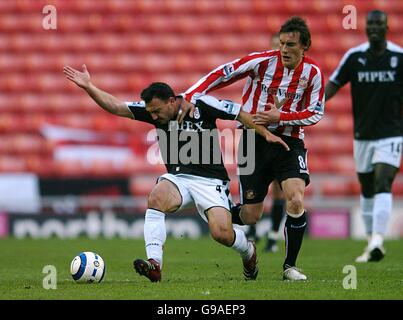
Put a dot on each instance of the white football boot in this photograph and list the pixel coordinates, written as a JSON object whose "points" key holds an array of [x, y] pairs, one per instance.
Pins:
{"points": [[364, 257], [293, 274]]}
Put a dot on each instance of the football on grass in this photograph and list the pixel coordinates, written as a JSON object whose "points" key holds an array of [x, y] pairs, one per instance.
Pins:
{"points": [[87, 267]]}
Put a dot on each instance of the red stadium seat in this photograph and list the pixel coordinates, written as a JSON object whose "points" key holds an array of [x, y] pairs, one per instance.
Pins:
{"points": [[13, 164], [319, 164], [328, 144], [141, 185], [129, 44], [397, 187], [335, 187], [344, 123], [342, 164]]}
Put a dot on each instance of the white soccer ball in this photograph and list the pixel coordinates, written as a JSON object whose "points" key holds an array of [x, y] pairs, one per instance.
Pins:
{"points": [[87, 267]]}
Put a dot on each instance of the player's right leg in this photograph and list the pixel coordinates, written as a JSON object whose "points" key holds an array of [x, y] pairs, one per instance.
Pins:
{"points": [[253, 186], [276, 216], [164, 198], [363, 154], [213, 200], [367, 206], [295, 226]]}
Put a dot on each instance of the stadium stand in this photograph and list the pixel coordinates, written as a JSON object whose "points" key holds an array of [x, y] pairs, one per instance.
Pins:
{"points": [[128, 44]]}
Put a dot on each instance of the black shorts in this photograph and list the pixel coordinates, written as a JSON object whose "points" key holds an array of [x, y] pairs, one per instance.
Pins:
{"points": [[272, 162]]}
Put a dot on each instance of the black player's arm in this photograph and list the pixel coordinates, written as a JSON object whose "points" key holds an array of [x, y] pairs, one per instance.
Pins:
{"points": [[105, 100], [339, 77], [108, 102], [330, 90]]}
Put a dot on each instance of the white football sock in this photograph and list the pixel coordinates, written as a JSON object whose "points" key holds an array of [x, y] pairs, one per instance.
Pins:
{"points": [[376, 241], [382, 211], [242, 245], [367, 208], [273, 235], [154, 234]]}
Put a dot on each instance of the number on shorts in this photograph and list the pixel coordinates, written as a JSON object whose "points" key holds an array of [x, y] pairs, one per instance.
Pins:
{"points": [[301, 162], [396, 147]]}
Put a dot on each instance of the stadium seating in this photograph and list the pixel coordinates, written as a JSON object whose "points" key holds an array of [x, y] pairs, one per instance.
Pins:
{"points": [[128, 44]]}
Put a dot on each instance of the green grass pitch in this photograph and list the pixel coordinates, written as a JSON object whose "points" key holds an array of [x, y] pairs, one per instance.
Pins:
{"points": [[197, 270]]}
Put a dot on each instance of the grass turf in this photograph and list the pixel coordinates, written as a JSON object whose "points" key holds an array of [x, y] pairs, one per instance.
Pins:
{"points": [[197, 270]]}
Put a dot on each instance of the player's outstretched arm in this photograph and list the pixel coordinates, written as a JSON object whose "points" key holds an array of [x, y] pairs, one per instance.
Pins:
{"points": [[247, 120], [105, 100]]}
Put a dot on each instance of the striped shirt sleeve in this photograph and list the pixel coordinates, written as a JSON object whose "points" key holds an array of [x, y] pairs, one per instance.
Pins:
{"points": [[226, 74]]}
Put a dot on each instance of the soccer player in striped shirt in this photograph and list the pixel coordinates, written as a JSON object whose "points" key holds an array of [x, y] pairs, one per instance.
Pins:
{"points": [[278, 203], [285, 92]]}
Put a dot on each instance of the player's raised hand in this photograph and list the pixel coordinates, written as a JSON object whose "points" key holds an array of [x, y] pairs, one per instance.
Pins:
{"points": [[184, 108], [270, 116], [82, 79]]}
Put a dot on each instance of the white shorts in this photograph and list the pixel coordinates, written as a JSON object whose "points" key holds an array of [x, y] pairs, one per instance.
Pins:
{"points": [[204, 193], [369, 152]]}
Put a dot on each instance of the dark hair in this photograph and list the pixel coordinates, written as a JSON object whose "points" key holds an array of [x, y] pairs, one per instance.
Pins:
{"points": [[297, 24], [158, 90], [377, 13]]}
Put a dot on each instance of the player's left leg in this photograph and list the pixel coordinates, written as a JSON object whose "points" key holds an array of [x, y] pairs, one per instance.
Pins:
{"points": [[213, 200], [295, 225], [219, 221], [276, 216], [251, 233], [383, 202], [386, 162]]}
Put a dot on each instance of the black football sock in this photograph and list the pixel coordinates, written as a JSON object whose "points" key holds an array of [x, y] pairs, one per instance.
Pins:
{"points": [[251, 231], [294, 233], [235, 213], [277, 213]]}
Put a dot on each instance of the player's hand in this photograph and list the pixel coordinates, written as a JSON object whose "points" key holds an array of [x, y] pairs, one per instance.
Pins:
{"points": [[82, 79], [272, 138], [184, 108], [265, 118]]}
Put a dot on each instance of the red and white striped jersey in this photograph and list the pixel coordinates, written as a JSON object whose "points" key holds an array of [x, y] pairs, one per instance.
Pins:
{"points": [[300, 91]]}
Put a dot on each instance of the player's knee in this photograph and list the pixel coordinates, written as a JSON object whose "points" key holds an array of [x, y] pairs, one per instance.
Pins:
{"points": [[156, 200], [222, 235], [367, 190], [367, 184], [250, 219], [250, 215], [295, 203], [384, 183], [384, 186]]}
